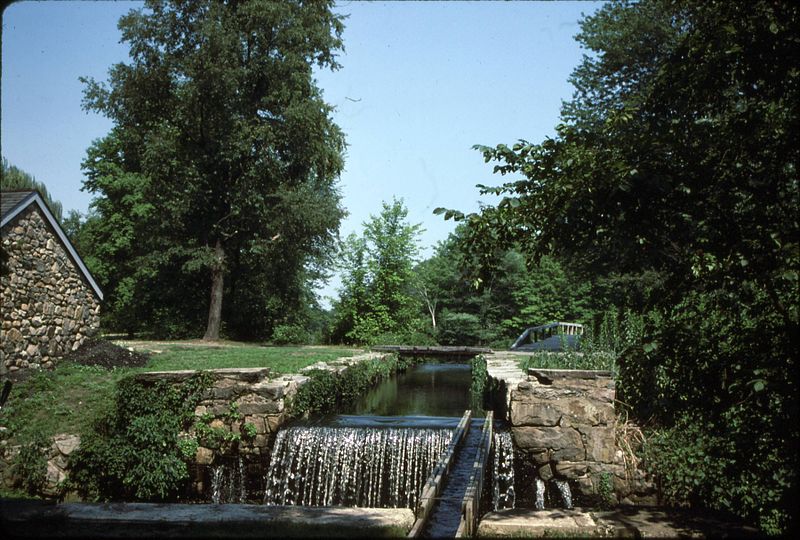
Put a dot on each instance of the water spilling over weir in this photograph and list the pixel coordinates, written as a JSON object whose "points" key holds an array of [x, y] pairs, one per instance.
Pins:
{"points": [[228, 482], [410, 431], [352, 466]]}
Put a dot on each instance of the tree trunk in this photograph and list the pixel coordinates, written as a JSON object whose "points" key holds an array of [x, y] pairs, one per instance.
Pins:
{"points": [[217, 282], [432, 311]]}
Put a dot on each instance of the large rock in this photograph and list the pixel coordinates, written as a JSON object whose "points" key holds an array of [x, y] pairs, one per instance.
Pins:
{"points": [[561, 443]]}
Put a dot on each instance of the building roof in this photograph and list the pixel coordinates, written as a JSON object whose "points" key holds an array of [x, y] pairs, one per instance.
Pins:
{"points": [[12, 203], [11, 199]]}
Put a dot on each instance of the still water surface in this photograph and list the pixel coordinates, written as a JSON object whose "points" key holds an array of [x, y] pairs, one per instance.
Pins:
{"points": [[422, 390]]}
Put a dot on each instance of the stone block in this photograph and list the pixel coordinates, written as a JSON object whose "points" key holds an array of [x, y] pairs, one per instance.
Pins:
{"points": [[274, 422], [53, 477], [228, 391], [571, 469], [588, 412], [258, 421], [204, 456], [599, 443], [565, 444], [545, 472], [271, 389], [534, 414], [66, 443], [255, 404]]}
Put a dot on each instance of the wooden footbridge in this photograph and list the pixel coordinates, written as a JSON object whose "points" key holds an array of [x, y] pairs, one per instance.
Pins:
{"points": [[556, 336]]}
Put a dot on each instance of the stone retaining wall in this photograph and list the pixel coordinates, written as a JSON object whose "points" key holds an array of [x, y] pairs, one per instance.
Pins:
{"points": [[564, 426], [237, 397], [48, 308]]}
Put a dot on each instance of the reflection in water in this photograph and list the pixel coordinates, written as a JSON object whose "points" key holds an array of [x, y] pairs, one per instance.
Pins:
{"points": [[427, 389]]}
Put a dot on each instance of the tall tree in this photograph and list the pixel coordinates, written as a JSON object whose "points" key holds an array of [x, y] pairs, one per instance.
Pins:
{"points": [[377, 296], [222, 138], [677, 163], [12, 177]]}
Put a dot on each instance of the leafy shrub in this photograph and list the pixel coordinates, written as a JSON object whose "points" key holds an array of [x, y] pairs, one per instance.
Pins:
{"points": [[328, 392], [289, 334], [715, 377], [477, 389], [31, 464], [570, 360], [134, 452], [687, 461], [249, 431], [457, 328]]}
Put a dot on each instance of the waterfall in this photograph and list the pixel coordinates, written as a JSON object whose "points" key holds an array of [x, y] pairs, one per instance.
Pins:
{"points": [[503, 471], [563, 489], [347, 466], [228, 484], [562, 486], [540, 489]]}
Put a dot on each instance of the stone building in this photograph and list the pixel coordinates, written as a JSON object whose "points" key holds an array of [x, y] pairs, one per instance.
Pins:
{"points": [[50, 302]]}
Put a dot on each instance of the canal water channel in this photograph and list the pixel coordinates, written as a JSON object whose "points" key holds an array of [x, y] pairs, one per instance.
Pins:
{"points": [[383, 450]]}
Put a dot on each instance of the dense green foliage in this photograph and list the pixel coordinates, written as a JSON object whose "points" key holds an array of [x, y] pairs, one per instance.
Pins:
{"points": [[12, 177], [672, 185], [493, 304], [328, 391], [219, 173], [377, 300], [477, 388], [31, 464], [135, 453]]}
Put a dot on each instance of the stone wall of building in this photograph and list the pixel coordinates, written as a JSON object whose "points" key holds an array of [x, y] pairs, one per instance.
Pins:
{"points": [[48, 309]]}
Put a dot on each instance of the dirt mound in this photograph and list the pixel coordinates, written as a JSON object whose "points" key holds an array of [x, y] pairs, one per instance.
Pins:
{"points": [[99, 352]]}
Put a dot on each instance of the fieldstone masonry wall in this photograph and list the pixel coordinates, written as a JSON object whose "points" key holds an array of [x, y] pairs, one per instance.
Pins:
{"points": [[48, 309], [564, 425]]}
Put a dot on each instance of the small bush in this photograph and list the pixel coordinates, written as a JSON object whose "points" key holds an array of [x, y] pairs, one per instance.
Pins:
{"points": [[290, 334], [570, 360], [328, 392], [31, 464]]}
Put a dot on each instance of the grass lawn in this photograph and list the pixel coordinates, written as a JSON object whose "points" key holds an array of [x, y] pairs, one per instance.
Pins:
{"points": [[69, 398], [279, 359]]}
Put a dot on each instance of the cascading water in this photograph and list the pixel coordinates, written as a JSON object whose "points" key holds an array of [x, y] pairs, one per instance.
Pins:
{"points": [[561, 486], [503, 471], [346, 466], [540, 489], [228, 484], [563, 489]]}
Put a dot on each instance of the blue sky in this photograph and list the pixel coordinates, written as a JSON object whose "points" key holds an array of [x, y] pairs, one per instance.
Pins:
{"points": [[420, 84]]}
